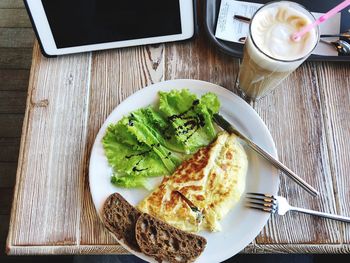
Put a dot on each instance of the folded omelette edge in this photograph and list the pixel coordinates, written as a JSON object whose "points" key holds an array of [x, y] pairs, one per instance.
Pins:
{"points": [[213, 179]]}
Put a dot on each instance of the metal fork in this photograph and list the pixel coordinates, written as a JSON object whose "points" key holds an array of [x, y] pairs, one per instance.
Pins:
{"points": [[272, 204]]}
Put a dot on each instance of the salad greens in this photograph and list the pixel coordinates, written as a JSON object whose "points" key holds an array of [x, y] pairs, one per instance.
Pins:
{"points": [[153, 141]]}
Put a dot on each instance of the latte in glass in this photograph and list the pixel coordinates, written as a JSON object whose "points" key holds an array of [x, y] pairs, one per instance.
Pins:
{"points": [[270, 54]]}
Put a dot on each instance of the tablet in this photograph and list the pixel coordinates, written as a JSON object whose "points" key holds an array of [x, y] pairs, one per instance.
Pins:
{"points": [[72, 26]]}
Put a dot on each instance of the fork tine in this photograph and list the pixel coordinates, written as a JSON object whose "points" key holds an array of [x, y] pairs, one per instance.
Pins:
{"points": [[272, 205], [261, 208], [262, 199], [261, 195], [262, 202]]}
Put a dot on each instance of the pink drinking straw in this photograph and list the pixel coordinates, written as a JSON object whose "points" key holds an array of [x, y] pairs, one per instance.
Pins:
{"points": [[298, 35]]}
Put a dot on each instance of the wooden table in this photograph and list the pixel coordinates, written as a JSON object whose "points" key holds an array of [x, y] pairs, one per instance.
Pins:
{"points": [[70, 97]]}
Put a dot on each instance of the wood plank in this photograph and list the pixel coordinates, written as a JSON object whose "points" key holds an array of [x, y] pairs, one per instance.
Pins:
{"points": [[11, 124], [12, 79], [15, 58], [298, 249], [16, 37], [186, 60], [66, 250], [12, 102], [9, 149], [114, 250], [133, 68], [14, 18], [6, 195], [7, 174], [335, 96], [50, 192], [11, 4], [293, 115]]}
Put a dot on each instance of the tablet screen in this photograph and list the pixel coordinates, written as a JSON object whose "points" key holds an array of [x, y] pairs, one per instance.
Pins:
{"points": [[85, 22]]}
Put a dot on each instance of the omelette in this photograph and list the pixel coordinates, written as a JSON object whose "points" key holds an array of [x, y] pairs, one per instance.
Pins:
{"points": [[213, 180]]}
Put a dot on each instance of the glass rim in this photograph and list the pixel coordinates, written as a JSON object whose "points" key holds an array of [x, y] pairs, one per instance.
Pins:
{"points": [[284, 60]]}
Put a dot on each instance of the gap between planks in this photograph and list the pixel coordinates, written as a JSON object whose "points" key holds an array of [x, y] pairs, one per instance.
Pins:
{"points": [[86, 156]]}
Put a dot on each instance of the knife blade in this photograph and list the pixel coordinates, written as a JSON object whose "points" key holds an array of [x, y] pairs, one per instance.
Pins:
{"points": [[224, 124]]}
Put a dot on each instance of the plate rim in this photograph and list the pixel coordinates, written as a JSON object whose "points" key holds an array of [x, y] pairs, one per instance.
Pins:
{"points": [[108, 121]]}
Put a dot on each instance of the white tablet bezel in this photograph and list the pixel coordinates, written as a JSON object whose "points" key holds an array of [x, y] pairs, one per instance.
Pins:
{"points": [[45, 35]]}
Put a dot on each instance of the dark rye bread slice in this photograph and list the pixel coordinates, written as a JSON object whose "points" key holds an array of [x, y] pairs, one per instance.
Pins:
{"points": [[165, 242], [120, 218]]}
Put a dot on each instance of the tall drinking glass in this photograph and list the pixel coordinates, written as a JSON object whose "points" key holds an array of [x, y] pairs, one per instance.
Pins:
{"points": [[270, 54]]}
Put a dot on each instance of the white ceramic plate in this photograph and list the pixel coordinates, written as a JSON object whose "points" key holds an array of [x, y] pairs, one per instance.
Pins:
{"points": [[242, 224]]}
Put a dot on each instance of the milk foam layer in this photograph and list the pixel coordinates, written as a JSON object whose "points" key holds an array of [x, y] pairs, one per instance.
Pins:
{"points": [[271, 30]]}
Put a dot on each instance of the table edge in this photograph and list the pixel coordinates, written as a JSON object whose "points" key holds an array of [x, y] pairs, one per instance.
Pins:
{"points": [[36, 50], [116, 249]]}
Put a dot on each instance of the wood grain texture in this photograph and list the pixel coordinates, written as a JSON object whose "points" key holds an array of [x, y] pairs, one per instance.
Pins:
{"points": [[64, 250], [19, 58], [16, 37], [293, 115], [335, 96], [7, 174], [198, 60], [56, 183], [7, 15], [11, 4], [110, 84], [14, 80], [113, 250], [298, 248]]}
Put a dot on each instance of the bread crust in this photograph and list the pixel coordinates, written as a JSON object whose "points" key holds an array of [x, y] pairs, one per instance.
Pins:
{"points": [[120, 218], [164, 242], [145, 233]]}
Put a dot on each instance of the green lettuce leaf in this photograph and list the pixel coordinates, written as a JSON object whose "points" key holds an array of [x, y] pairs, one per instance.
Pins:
{"points": [[128, 181], [153, 141], [129, 157], [149, 133], [190, 118]]}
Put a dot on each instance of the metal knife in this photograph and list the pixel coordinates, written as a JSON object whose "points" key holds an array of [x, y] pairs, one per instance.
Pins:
{"points": [[224, 124]]}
